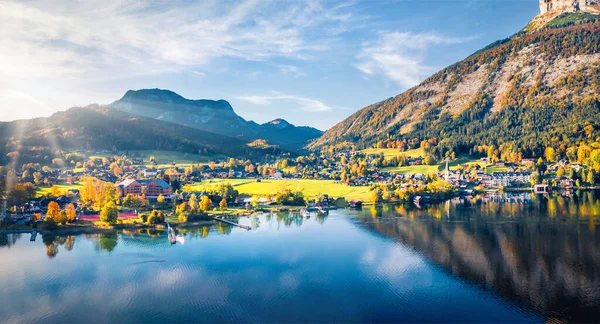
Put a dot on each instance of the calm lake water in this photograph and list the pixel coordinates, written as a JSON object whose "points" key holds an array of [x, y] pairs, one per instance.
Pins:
{"points": [[493, 259]]}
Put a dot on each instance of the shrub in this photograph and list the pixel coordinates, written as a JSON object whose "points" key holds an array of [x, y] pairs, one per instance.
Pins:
{"points": [[156, 217], [49, 224]]}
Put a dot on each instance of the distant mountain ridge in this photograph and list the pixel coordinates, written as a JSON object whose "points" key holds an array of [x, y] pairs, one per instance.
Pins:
{"points": [[216, 116], [97, 127]]}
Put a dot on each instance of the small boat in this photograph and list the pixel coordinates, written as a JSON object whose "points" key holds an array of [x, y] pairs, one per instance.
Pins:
{"points": [[171, 234]]}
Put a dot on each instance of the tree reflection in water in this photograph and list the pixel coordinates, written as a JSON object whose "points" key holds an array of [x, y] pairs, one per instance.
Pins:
{"points": [[542, 251]]}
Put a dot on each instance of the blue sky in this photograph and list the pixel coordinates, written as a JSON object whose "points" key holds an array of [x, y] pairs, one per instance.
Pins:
{"points": [[309, 62]]}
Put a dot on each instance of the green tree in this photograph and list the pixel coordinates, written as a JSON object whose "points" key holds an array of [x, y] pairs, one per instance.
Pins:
{"points": [[109, 213]]}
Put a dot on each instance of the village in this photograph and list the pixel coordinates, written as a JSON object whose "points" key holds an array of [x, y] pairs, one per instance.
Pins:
{"points": [[147, 183]]}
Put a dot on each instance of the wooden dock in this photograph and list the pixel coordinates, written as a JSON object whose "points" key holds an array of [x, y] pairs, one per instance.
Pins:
{"points": [[232, 223]]}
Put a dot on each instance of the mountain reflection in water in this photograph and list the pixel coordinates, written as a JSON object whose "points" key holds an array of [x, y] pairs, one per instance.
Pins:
{"points": [[502, 258], [541, 251]]}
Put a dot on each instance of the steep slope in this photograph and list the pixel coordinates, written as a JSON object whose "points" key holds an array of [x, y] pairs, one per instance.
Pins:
{"points": [[209, 115], [96, 127], [523, 92]]}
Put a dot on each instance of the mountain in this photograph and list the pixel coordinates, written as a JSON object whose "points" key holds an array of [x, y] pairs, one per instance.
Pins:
{"points": [[100, 127], [216, 116], [536, 89]]}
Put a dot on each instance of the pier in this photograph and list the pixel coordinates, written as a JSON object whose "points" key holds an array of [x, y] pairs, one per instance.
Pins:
{"points": [[232, 223]]}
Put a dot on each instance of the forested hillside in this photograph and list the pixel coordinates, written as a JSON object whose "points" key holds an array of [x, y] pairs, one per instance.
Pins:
{"points": [[517, 98], [101, 128]]}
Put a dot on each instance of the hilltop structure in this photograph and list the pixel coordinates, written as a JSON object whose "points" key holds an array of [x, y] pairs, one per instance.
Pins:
{"points": [[591, 6]]}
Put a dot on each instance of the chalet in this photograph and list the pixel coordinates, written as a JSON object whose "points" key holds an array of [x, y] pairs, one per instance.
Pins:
{"points": [[150, 173], [151, 188]]}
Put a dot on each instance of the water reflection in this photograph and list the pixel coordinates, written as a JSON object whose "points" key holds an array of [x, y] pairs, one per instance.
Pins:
{"points": [[542, 251], [289, 269]]}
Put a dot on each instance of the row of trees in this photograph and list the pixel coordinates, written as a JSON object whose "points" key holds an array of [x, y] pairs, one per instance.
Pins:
{"points": [[55, 215]]}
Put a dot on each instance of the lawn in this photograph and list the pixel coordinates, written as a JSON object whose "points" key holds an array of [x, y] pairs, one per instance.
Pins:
{"points": [[42, 191], [430, 169], [425, 169], [389, 153], [310, 188]]}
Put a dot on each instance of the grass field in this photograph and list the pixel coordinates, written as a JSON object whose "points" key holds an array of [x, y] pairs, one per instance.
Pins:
{"points": [[310, 188], [430, 169], [389, 153], [42, 191]]}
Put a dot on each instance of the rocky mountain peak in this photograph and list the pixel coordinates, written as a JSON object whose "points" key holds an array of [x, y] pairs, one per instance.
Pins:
{"points": [[561, 6], [279, 123]]}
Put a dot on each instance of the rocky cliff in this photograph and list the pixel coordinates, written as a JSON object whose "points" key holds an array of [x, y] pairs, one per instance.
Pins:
{"points": [[560, 6]]}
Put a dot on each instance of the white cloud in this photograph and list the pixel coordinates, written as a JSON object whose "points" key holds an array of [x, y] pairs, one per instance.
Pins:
{"points": [[291, 70], [108, 40], [400, 56], [306, 104]]}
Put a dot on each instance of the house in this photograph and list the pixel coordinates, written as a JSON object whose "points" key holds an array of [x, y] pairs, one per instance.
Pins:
{"points": [[151, 188], [505, 179], [542, 189], [528, 162], [277, 175], [150, 173]]}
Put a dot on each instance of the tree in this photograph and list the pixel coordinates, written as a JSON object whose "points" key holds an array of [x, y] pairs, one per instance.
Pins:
{"points": [[560, 172], [156, 217], [193, 203], [53, 211], [223, 204], [376, 196], [37, 178], [55, 191], [87, 192], [62, 217], [160, 199], [205, 203], [550, 154], [71, 213], [109, 213], [131, 201]]}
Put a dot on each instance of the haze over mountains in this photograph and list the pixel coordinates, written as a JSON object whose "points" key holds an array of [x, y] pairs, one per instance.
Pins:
{"points": [[538, 87], [216, 116]]}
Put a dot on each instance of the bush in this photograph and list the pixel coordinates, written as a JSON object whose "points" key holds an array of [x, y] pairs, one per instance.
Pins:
{"points": [[143, 217], [156, 217], [49, 224]]}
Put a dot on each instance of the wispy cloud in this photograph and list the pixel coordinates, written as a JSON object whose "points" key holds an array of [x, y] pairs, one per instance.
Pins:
{"points": [[128, 38], [400, 56], [291, 70], [306, 104]]}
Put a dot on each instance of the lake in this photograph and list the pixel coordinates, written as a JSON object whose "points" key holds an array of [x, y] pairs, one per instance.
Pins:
{"points": [[502, 258]]}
